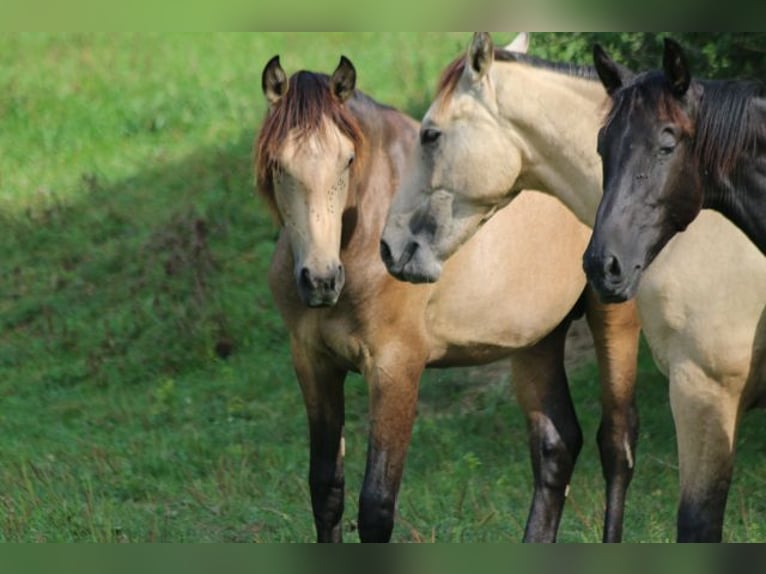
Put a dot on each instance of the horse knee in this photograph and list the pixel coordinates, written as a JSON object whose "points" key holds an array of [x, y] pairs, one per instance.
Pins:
{"points": [[617, 444], [556, 451], [376, 517]]}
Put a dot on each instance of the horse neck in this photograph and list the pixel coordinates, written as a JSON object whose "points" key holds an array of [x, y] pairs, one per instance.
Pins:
{"points": [[556, 118], [389, 135], [741, 195], [746, 208]]}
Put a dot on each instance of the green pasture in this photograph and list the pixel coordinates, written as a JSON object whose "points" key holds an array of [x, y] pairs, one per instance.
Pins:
{"points": [[146, 390]]}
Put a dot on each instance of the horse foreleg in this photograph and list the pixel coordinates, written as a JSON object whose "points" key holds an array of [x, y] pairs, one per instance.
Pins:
{"points": [[393, 401], [555, 438], [706, 414], [322, 387], [616, 331]]}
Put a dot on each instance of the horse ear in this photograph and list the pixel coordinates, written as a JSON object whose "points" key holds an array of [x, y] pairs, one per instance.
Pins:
{"points": [[676, 67], [608, 71], [519, 44], [343, 80], [481, 54], [274, 81]]}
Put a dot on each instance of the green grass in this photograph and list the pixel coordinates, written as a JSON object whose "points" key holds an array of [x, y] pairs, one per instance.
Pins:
{"points": [[146, 390]]}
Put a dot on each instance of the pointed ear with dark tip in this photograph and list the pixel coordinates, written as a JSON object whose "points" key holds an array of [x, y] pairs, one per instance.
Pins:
{"points": [[608, 71], [481, 54], [676, 68], [274, 81], [343, 80]]}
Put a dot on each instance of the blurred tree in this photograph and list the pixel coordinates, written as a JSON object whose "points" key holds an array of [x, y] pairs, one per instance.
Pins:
{"points": [[711, 54]]}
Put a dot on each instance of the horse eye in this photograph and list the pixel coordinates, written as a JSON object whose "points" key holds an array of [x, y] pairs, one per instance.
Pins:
{"points": [[351, 160], [429, 136], [667, 142], [666, 148]]}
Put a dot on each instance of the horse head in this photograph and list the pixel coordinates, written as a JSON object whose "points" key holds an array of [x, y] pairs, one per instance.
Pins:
{"points": [[306, 152], [652, 187]]}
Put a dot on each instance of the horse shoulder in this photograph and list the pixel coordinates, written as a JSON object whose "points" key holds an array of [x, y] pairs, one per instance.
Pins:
{"points": [[702, 299]]}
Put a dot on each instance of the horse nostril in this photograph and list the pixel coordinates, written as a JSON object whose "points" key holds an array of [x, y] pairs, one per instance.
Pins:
{"points": [[305, 278], [613, 267], [385, 252]]}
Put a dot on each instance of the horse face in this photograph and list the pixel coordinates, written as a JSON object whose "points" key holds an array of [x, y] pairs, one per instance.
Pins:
{"points": [[652, 188], [310, 191], [460, 174], [629, 231]]}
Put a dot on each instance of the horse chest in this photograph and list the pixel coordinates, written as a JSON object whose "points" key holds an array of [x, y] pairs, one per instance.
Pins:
{"points": [[342, 340]]}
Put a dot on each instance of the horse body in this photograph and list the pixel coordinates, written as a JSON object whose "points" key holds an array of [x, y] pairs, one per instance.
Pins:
{"points": [[702, 302], [389, 331]]}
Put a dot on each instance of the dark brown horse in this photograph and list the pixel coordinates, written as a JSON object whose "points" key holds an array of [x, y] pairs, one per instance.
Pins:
{"points": [[328, 161], [671, 146]]}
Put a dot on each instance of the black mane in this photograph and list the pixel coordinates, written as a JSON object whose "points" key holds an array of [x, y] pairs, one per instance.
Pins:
{"points": [[727, 124], [575, 70]]}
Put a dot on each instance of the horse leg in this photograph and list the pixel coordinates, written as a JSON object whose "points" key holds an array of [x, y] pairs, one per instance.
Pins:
{"points": [[322, 387], [555, 437], [616, 331], [706, 415], [393, 389]]}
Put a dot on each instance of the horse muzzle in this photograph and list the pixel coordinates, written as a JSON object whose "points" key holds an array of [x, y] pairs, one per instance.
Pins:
{"points": [[321, 290], [415, 263], [610, 277]]}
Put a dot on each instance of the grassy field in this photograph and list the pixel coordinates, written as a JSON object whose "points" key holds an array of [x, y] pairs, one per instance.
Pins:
{"points": [[146, 391]]}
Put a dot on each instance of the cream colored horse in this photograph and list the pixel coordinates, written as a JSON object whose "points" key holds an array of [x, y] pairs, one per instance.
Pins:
{"points": [[503, 121], [328, 161]]}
